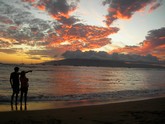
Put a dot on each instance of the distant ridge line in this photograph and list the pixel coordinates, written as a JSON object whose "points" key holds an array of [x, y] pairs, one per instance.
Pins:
{"points": [[103, 63]]}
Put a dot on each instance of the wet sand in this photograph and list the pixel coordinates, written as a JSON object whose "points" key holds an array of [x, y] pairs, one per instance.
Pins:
{"points": [[150, 111]]}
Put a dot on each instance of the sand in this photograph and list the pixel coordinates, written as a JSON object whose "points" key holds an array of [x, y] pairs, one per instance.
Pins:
{"points": [[150, 111]]}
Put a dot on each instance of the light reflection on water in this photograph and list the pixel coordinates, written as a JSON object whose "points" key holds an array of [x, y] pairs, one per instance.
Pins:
{"points": [[69, 80], [80, 80]]}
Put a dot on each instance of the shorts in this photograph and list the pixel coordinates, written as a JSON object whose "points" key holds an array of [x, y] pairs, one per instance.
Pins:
{"points": [[16, 89], [24, 89]]}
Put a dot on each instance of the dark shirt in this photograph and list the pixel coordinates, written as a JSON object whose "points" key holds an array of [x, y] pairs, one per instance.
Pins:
{"points": [[15, 78]]}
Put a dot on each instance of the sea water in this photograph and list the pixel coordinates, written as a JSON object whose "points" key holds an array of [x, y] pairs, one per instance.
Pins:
{"points": [[78, 84]]}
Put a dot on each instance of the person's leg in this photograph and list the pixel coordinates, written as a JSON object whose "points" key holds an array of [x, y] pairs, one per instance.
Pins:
{"points": [[21, 98], [25, 97], [16, 98], [16, 90], [26, 91], [12, 97]]}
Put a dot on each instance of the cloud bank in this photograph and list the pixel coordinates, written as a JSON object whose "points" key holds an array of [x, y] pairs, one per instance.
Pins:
{"points": [[105, 56], [154, 44]]}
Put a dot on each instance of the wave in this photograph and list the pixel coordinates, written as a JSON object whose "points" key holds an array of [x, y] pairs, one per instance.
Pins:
{"points": [[111, 96]]}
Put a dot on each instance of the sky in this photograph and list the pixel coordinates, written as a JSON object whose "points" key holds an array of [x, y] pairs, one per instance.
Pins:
{"points": [[34, 31]]}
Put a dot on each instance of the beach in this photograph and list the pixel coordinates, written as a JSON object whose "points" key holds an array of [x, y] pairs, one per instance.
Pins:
{"points": [[151, 111], [86, 95]]}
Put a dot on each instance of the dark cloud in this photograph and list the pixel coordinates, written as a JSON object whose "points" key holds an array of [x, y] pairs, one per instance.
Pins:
{"points": [[35, 58], [60, 10], [49, 52], [8, 51], [5, 19], [105, 56], [68, 21], [155, 6], [58, 7], [156, 37], [22, 26], [124, 9]]}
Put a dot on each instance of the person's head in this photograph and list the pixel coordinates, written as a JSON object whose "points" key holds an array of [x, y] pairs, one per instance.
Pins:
{"points": [[22, 73], [16, 69]]}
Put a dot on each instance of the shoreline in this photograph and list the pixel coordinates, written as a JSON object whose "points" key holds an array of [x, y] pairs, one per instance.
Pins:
{"points": [[144, 111], [47, 105]]}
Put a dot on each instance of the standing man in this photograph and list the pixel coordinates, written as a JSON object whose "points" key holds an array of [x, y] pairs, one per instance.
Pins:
{"points": [[14, 81]]}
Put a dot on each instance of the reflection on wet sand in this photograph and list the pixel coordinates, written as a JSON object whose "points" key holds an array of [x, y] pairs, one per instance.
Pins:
{"points": [[15, 108]]}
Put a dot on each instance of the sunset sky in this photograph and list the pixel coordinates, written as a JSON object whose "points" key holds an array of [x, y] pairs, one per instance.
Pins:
{"points": [[33, 31]]}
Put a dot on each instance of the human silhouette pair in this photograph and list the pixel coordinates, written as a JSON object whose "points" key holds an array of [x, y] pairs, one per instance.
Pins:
{"points": [[15, 79]]}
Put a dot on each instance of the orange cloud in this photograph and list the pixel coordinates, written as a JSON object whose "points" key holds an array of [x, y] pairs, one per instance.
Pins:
{"points": [[154, 44], [6, 42], [97, 43], [119, 15], [41, 7], [121, 9], [81, 37], [145, 49]]}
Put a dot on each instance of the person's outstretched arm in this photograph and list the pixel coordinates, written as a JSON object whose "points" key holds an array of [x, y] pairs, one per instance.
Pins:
{"points": [[28, 71]]}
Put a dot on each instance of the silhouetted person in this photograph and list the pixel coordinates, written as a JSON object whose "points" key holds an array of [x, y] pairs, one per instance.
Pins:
{"points": [[24, 87], [14, 81]]}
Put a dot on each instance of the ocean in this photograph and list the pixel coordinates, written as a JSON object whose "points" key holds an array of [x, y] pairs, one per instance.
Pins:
{"points": [[66, 86]]}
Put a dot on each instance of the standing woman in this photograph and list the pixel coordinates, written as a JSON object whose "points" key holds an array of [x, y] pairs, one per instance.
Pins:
{"points": [[24, 87]]}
